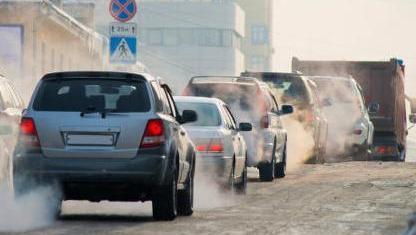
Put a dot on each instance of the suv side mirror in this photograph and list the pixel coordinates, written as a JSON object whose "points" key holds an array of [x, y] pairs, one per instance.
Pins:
{"points": [[245, 126], [412, 118], [373, 108], [286, 109], [188, 116], [5, 130]]}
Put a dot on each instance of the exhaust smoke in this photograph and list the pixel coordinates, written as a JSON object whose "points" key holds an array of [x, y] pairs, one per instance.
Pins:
{"points": [[30, 211]]}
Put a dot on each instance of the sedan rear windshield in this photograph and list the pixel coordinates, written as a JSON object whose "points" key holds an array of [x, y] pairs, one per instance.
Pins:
{"points": [[81, 95], [208, 114]]}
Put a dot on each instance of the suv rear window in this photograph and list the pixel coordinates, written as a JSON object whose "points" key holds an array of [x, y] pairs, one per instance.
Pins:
{"points": [[79, 95]]}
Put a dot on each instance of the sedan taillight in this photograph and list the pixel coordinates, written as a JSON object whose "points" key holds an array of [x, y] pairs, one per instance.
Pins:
{"points": [[264, 122], [210, 146]]}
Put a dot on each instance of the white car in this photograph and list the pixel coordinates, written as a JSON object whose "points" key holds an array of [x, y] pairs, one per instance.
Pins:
{"points": [[350, 130], [221, 152]]}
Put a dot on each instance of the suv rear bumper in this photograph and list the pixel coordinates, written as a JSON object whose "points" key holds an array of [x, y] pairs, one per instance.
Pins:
{"points": [[146, 170]]}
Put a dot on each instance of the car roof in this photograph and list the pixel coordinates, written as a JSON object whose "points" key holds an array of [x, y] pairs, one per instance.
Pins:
{"points": [[198, 99], [334, 78], [224, 79], [104, 74]]}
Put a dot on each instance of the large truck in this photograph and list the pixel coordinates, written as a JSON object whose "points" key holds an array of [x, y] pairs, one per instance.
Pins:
{"points": [[383, 87]]}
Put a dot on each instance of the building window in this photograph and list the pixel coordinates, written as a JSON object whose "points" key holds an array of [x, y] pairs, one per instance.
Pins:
{"points": [[259, 35], [170, 37], [186, 37], [209, 37], [258, 63], [155, 37]]}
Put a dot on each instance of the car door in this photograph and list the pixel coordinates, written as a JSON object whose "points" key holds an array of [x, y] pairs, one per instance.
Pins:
{"points": [[277, 127], [237, 139], [179, 133]]}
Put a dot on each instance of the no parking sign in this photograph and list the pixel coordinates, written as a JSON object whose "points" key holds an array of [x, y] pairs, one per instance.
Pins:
{"points": [[123, 10]]}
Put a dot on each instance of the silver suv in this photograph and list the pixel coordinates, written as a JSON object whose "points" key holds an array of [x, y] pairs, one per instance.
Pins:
{"points": [[107, 136]]}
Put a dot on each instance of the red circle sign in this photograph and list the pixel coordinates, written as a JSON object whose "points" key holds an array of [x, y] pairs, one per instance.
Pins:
{"points": [[123, 10]]}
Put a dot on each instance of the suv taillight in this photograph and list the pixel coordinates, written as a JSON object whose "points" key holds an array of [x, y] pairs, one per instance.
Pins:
{"points": [[154, 134], [264, 122], [28, 133]]}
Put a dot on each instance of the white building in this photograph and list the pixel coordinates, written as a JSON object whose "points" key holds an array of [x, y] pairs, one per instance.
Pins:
{"points": [[181, 39]]}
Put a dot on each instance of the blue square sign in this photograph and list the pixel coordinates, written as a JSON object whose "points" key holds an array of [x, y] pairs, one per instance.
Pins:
{"points": [[123, 50]]}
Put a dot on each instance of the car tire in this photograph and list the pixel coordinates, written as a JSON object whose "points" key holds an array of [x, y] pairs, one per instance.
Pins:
{"points": [[186, 196], [164, 201], [361, 155], [267, 169], [241, 187], [280, 170]]}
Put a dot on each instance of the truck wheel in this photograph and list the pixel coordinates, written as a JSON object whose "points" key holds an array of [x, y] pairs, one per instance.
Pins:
{"points": [[186, 197], [164, 201], [266, 170], [280, 171], [241, 187]]}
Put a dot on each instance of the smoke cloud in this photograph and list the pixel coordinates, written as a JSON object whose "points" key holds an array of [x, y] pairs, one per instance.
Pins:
{"points": [[31, 211]]}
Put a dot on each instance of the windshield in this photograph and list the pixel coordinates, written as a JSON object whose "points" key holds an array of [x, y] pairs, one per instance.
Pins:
{"points": [[337, 91], [208, 114], [92, 95]]}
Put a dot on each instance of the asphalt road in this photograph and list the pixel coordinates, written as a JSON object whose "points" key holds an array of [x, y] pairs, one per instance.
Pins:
{"points": [[341, 198]]}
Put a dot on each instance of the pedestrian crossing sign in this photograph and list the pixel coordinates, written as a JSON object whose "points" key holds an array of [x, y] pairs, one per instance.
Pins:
{"points": [[123, 50]]}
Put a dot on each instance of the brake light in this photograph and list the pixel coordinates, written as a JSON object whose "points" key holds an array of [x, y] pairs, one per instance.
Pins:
{"points": [[358, 131], [213, 146], [154, 134], [385, 149], [264, 122], [28, 132], [201, 148]]}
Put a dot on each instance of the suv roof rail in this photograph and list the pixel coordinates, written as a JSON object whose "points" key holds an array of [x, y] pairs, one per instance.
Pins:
{"points": [[233, 79]]}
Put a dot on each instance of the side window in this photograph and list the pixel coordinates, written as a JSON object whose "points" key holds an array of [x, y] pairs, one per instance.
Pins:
{"points": [[166, 105], [6, 96], [231, 118], [275, 107], [361, 98], [227, 120], [159, 102], [170, 102]]}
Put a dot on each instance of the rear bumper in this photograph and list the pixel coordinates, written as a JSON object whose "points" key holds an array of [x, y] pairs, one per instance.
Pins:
{"points": [[146, 170], [215, 167], [259, 148]]}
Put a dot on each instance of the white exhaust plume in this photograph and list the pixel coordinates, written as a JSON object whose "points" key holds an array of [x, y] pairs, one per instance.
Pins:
{"points": [[300, 142], [28, 212], [209, 193]]}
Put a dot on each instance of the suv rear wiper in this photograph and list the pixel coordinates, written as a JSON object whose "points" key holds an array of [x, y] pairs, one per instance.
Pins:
{"points": [[106, 111], [93, 110]]}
